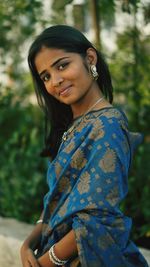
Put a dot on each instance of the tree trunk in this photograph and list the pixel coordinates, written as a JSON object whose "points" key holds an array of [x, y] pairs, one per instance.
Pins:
{"points": [[136, 74], [95, 21]]}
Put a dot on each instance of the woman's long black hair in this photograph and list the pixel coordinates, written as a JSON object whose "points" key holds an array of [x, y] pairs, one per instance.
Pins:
{"points": [[58, 116]]}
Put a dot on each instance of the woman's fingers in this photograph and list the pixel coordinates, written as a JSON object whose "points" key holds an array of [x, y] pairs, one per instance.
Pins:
{"points": [[33, 261], [28, 259]]}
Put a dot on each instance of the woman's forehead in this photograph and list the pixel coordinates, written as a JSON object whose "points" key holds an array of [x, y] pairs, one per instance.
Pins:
{"points": [[51, 56]]}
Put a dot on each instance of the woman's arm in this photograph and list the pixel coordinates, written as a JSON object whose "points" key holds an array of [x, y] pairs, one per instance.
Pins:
{"points": [[64, 249]]}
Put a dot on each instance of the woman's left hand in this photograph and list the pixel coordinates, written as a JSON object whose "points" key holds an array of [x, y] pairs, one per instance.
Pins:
{"points": [[28, 258]]}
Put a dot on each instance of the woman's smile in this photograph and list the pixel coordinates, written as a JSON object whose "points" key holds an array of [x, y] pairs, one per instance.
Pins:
{"points": [[65, 91]]}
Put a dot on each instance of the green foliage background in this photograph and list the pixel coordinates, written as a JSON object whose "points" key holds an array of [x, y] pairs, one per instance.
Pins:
{"points": [[22, 171]]}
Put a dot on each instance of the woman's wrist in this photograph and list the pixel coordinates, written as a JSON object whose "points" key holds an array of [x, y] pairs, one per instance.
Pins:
{"points": [[61, 252], [66, 247], [54, 259]]}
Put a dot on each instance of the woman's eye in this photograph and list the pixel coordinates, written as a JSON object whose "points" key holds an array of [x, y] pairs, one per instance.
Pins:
{"points": [[62, 66], [46, 77]]}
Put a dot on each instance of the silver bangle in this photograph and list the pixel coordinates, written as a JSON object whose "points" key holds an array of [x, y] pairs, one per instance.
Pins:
{"points": [[54, 259], [39, 221]]}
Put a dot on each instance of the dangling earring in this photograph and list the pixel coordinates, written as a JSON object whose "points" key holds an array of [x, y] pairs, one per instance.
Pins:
{"points": [[94, 72]]}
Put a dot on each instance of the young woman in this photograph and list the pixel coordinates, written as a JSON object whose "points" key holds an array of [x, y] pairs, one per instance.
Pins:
{"points": [[90, 150]]}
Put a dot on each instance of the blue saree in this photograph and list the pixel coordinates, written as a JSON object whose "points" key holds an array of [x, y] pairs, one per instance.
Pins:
{"points": [[87, 182]]}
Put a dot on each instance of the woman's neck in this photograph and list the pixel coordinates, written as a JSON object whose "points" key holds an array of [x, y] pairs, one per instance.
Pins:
{"points": [[87, 102]]}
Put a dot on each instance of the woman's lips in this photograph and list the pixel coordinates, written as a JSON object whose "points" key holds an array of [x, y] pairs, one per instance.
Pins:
{"points": [[65, 91]]}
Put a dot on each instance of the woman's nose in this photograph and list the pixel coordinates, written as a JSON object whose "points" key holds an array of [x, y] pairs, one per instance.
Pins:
{"points": [[56, 80]]}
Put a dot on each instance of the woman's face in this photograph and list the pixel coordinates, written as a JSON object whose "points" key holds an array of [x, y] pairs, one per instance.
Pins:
{"points": [[64, 74]]}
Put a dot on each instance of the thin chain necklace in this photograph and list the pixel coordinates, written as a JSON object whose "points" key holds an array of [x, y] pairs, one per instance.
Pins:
{"points": [[64, 137]]}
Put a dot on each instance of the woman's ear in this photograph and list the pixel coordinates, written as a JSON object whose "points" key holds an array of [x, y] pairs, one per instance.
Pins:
{"points": [[91, 56]]}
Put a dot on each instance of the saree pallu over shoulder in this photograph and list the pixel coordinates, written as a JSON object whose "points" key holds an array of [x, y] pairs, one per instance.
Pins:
{"points": [[87, 181]]}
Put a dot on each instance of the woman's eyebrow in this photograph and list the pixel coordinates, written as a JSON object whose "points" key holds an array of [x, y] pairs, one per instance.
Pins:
{"points": [[53, 64], [57, 61]]}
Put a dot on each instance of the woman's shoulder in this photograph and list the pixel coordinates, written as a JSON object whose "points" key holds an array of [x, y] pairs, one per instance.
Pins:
{"points": [[105, 123], [112, 112], [114, 121], [109, 115]]}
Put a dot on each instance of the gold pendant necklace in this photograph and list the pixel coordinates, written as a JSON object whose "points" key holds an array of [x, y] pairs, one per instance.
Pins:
{"points": [[64, 137]]}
